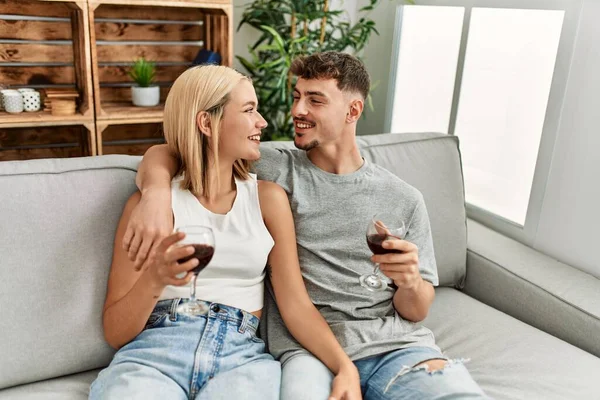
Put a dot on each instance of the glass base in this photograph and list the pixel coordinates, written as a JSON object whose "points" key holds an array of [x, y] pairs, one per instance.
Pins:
{"points": [[372, 282], [192, 308]]}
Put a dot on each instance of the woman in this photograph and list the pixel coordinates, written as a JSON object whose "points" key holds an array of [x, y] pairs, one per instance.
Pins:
{"points": [[212, 125]]}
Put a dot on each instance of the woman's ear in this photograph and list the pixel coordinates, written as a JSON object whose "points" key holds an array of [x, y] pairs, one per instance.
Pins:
{"points": [[203, 123]]}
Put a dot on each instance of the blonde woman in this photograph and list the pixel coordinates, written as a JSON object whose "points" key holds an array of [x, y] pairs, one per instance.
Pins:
{"points": [[212, 127]]}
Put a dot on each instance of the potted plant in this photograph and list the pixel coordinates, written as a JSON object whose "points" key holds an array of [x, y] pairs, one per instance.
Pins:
{"points": [[144, 94]]}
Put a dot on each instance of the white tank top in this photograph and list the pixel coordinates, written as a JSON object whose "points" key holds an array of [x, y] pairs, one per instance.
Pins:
{"points": [[235, 274]]}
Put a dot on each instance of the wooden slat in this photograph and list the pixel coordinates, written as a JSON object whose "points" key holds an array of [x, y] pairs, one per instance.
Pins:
{"points": [[39, 135], [116, 112], [119, 74], [35, 30], [152, 13], [133, 131], [30, 154], [15, 76], [36, 53], [158, 32], [41, 118], [219, 36], [32, 7], [123, 94], [131, 149], [82, 67], [128, 53]]}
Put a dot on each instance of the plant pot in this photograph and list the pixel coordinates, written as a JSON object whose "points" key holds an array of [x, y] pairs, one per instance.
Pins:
{"points": [[145, 96]]}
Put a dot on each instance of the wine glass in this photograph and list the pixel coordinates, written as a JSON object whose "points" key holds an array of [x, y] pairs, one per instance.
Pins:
{"points": [[381, 227], [203, 241]]}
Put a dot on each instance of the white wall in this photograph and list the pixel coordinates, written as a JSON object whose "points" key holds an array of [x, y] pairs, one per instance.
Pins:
{"points": [[569, 226], [377, 58], [242, 38]]}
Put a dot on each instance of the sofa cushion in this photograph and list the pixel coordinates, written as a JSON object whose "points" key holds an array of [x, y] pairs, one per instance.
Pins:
{"points": [[431, 163], [57, 226], [510, 359], [70, 387], [534, 288]]}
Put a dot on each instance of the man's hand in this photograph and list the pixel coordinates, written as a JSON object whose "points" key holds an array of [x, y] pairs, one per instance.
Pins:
{"points": [[150, 222], [346, 385], [402, 268]]}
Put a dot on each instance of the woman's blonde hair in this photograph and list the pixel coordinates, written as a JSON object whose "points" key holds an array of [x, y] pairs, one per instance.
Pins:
{"points": [[202, 88]]}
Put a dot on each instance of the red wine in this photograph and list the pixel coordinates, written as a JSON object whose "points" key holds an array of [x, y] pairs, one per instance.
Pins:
{"points": [[375, 240], [203, 252]]}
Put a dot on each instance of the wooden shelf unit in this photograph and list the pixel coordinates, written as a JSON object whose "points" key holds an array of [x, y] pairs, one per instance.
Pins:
{"points": [[45, 44], [167, 32], [90, 45]]}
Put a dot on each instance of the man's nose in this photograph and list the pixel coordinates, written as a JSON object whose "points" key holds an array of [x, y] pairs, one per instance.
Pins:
{"points": [[298, 109]]}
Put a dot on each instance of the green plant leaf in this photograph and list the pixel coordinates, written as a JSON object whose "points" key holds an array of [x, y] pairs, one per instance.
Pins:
{"points": [[142, 72]]}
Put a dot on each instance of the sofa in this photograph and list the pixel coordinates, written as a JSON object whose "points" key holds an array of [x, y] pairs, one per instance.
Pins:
{"points": [[529, 324]]}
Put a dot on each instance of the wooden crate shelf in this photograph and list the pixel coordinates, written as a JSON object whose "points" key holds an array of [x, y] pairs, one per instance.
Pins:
{"points": [[169, 33], [20, 143], [45, 44]]}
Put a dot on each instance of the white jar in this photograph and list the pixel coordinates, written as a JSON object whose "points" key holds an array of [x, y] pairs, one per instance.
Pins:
{"points": [[2, 92], [13, 101], [25, 90], [31, 101]]}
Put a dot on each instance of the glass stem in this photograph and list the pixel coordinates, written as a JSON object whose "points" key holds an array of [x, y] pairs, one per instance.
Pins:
{"points": [[193, 294], [376, 270]]}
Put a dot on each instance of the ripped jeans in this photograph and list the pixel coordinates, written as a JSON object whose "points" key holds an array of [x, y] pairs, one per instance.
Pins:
{"points": [[384, 377]]}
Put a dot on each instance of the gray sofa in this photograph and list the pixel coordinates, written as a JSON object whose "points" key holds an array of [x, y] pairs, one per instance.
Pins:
{"points": [[529, 324]]}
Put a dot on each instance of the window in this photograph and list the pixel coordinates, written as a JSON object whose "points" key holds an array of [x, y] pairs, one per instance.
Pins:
{"points": [[485, 75], [506, 81], [427, 57]]}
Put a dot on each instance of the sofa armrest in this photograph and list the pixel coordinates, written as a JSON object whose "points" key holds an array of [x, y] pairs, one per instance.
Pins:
{"points": [[532, 287]]}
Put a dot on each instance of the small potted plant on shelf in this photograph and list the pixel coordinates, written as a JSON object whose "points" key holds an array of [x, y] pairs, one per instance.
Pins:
{"points": [[144, 94]]}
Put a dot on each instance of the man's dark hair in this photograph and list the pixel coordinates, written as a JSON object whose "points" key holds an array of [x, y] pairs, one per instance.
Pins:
{"points": [[348, 71]]}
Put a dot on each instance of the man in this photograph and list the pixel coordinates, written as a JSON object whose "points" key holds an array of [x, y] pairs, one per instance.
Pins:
{"points": [[334, 192]]}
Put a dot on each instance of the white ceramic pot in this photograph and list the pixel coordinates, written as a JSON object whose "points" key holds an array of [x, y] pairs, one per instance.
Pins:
{"points": [[13, 102], [4, 92], [31, 101], [145, 96]]}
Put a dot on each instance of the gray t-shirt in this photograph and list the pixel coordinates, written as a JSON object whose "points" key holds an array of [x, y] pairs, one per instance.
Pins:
{"points": [[331, 213]]}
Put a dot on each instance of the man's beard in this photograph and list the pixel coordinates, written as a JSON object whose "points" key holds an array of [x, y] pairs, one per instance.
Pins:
{"points": [[307, 147]]}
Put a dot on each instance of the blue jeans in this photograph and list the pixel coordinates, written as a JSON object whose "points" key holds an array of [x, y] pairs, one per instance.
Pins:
{"points": [[383, 377], [214, 356]]}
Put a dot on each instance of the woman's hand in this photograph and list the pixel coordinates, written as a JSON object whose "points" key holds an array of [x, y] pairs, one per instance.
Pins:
{"points": [[346, 385], [163, 268]]}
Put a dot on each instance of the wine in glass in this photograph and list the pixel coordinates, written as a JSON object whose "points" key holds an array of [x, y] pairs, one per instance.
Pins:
{"points": [[203, 241], [380, 228]]}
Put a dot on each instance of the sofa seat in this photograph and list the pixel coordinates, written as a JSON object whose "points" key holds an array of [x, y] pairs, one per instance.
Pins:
{"points": [[508, 358], [69, 387]]}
